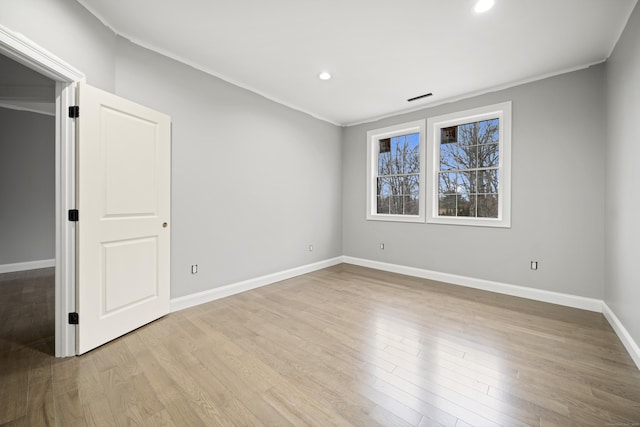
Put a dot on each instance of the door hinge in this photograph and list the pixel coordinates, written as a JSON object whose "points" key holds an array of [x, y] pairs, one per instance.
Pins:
{"points": [[74, 319], [74, 111], [73, 215]]}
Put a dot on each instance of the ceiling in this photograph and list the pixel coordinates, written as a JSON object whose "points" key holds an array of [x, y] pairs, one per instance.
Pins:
{"points": [[380, 52]]}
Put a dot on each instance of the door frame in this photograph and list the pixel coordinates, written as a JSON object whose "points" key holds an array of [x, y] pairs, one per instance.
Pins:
{"points": [[17, 47]]}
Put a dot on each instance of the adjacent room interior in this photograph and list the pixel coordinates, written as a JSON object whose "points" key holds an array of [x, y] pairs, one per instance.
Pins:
{"points": [[500, 290], [27, 177]]}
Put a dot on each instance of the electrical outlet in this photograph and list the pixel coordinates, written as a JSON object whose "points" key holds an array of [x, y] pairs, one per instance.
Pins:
{"points": [[194, 269], [310, 248], [534, 265], [382, 246]]}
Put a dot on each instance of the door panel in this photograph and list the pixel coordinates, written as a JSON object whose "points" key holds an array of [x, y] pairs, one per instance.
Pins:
{"points": [[123, 250], [131, 155], [125, 262]]}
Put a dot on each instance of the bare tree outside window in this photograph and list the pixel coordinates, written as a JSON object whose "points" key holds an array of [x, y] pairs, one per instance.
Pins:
{"points": [[398, 180], [396, 187], [468, 175]]}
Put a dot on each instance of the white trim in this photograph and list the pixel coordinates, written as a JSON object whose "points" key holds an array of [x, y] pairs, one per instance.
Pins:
{"points": [[501, 111], [227, 79], [623, 334], [373, 136], [65, 230], [567, 300], [192, 300], [24, 51], [21, 49], [199, 67], [455, 98], [28, 265]]}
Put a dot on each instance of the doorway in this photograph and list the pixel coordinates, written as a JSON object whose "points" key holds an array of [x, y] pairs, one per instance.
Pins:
{"points": [[119, 174], [21, 50], [27, 213]]}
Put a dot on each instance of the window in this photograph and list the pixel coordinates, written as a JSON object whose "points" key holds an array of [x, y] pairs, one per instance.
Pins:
{"points": [[469, 172], [395, 170]]}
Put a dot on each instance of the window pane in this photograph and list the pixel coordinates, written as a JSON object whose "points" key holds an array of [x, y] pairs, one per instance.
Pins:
{"points": [[466, 205], [384, 163], [469, 158], [484, 132], [402, 205], [399, 155], [411, 185], [447, 182], [405, 151], [448, 156], [395, 205], [447, 205], [465, 149], [398, 195], [383, 205], [383, 193], [457, 157], [466, 182], [385, 145], [488, 156], [488, 131], [449, 135], [384, 187], [467, 134], [488, 206], [411, 205], [488, 181]]}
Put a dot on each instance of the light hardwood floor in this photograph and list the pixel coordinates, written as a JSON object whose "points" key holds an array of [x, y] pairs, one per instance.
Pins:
{"points": [[342, 346]]}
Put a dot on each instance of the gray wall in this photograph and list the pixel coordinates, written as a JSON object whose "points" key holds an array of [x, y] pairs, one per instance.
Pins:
{"points": [[622, 290], [254, 182], [27, 190], [557, 195], [67, 30]]}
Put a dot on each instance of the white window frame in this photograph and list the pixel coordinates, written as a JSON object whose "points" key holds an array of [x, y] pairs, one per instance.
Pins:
{"points": [[373, 148], [500, 111]]}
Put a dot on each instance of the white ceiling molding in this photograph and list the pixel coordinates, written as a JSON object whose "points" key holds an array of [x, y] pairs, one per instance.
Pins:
{"points": [[380, 53]]}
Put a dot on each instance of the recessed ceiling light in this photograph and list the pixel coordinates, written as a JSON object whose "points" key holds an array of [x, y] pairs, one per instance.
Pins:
{"points": [[325, 75], [483, 5]]}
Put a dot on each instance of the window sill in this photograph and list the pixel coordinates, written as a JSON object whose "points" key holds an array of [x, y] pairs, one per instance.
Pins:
{"points": [[395, 218], [471, 222]]}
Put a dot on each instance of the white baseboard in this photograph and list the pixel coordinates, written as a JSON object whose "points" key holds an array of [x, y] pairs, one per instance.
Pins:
{"points": [[30, 265], [574, 301], [187, 301], [590, 304], [623, 334]]}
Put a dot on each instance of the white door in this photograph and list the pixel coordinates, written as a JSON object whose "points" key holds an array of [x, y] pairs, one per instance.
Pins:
{"points": [[123, 199]]}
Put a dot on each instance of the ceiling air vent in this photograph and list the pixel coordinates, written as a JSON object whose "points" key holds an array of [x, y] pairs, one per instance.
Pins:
{"points": [[415, 98]]}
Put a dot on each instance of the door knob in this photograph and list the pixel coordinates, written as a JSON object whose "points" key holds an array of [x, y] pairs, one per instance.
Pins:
{"points": [[164, 225]]}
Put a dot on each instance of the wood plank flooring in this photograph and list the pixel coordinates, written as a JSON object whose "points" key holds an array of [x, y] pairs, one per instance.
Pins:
{"points": [[344, 346]]}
